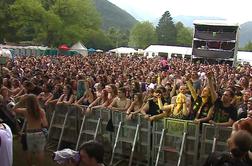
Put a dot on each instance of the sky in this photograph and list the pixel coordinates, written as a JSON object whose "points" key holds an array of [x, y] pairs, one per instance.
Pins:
{"points": [[148, 10]]}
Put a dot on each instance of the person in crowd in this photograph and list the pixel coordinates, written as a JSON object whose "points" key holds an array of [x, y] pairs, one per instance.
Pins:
{"points": [[31, 88], [196, 82], [179, 109], [67, 97], [223, 112], [243, 107], [135, 106], [244, 83], [239, 145], [121, 102], [6, 145], [56, 93], [91, 154], [201, 103], [100, 102], [98, 90], [45, 94], [151, 110], [5, 93], [88, 96], [112, 92], [17, 87], [34, 139]]}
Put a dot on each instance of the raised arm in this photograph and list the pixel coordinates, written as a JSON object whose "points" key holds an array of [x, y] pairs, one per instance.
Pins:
{"points": [[173, 91], [213, 93], [192, 90]]}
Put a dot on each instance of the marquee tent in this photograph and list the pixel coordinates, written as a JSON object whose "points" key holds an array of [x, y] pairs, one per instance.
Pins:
{"points": [[64, 47], [244, 56], [124, 50], [154, 50], [80, 48], [5, 53]]}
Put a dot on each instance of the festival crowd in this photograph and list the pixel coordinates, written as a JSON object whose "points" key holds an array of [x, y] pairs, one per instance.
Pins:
{"points": [[156, 88]]}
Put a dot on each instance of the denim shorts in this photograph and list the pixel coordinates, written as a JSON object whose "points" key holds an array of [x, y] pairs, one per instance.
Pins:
{"points": [[36, 141]]}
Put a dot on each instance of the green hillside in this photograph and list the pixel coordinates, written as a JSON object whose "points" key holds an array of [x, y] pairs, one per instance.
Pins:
{"points": [[113, 16], [245, 33]]}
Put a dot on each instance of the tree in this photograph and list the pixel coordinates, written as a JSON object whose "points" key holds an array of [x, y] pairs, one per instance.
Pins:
{"points": [[97, 39], [6, 31], [166, 30], [142, 35], [184, 35], [248, 46], [78, 17], [53, 22], [118, 37]]}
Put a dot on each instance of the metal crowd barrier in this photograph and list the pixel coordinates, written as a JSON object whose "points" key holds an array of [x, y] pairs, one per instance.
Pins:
{"points": [[137, 141], [175, 142], [63, 126], [92, 125], [213, 139], [126, 138]]}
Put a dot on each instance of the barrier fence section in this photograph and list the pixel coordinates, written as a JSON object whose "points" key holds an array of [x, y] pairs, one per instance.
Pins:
{"points": [[63, 127], [213, 139], [136, 141], [175, 142]]}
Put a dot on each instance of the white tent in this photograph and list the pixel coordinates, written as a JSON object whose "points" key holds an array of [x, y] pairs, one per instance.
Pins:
{"points": [[5, 53], [154, 50], [99, 50], [124, 50], [244, 56], [80, 48]]}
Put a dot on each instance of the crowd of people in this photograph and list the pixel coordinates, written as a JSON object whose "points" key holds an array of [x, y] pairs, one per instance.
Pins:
{"points": [[218, 94]]}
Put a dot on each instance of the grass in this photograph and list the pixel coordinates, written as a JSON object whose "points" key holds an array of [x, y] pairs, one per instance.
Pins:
{"points": [[19, 156]]}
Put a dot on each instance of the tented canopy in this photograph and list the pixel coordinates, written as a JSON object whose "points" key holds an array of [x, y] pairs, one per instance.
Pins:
{"points": [[5, 53], [244, 56], [99, 50], [80, 48], [156, 49], [64, 47], [124, 50], [91, 50]]}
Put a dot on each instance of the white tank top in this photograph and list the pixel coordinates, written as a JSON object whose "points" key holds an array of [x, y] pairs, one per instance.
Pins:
{"points": [[6, 156]]}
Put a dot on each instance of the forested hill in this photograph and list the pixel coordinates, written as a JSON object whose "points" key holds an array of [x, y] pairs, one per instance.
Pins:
{"points": [[113, 16]]}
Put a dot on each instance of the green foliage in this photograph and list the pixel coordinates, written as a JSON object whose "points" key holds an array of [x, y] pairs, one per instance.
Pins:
{"points": [[114, 16], [142, 35], [166, 30], [184, 35], [97, 39], [6, 32], [248, 46], [118, 37], [49, 22]]}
